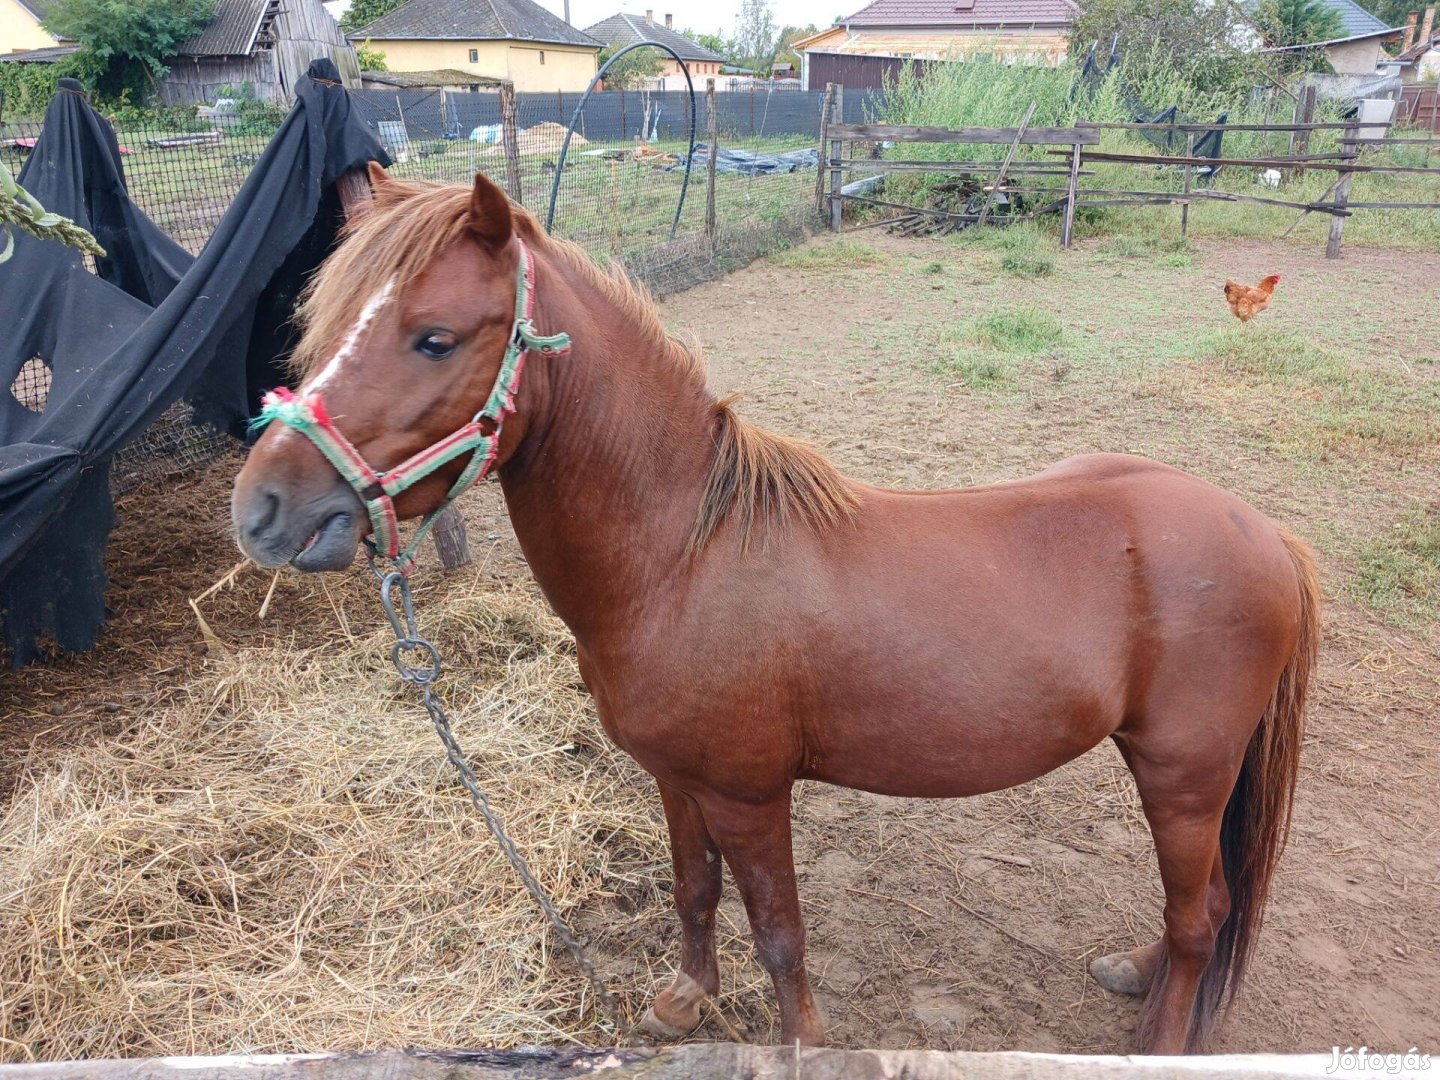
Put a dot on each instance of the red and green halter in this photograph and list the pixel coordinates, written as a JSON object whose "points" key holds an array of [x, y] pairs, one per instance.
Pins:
{"points": [[377, 490]]}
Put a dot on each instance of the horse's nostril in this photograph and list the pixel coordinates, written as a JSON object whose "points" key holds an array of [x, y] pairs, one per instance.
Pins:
{"points": [[262, 516]]}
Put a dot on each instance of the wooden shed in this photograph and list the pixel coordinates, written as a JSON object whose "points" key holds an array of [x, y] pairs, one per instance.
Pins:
{"points": [[264, 43]]}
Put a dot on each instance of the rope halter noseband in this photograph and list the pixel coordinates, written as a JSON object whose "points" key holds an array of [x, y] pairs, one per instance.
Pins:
{"points": [[377, 490]]}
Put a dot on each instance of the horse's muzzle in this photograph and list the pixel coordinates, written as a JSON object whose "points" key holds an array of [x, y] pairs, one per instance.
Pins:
{"points": [[313, 535]]}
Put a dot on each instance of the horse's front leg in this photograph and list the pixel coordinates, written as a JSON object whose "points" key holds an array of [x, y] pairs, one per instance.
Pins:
{"points": [[755, 840], [696, 861]]}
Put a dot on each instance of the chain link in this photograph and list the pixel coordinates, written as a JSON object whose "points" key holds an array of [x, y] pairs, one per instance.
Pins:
{"points": [[418, 662]]}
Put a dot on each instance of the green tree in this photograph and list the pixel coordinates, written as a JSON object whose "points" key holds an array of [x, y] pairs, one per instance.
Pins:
{"points": [[369, 57], [1198, 42], [755, 37], [364, 12], [1298, 22], [785, 49], [631, 71], [125, 44], [716, 43]]}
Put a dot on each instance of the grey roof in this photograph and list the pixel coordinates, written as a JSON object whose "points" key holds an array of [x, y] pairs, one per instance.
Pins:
{"points": [[622, 29], [231, 30], [39, 56], [38, 8], [474, 20]]}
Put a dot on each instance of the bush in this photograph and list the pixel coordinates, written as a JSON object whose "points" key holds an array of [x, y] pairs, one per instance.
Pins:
{"points": [[28, 88]]}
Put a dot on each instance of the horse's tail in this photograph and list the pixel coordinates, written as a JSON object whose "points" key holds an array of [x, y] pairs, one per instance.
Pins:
{"points": [[1257, 817]]}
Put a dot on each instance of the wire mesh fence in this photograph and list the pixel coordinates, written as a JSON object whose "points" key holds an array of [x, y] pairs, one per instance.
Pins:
{"points": [[617, 191]]}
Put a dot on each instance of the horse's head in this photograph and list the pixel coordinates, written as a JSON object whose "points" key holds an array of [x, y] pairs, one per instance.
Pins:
{"points": [[406, 328]]}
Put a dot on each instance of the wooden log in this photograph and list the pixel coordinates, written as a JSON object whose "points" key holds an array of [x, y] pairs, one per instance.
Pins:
{"points": [[1045, 136], [510, 139], [1005, 165], [1072, 196], [1342, 195], [824, 143], [837, 117], [1259, 163], [696, 1061], [710, 163]]}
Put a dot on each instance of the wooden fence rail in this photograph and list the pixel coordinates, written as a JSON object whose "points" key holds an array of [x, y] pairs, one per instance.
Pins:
{"points": [[1076, 147]]}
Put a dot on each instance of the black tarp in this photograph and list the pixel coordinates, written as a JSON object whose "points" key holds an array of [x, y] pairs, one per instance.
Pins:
{"points": [[153, 327]]}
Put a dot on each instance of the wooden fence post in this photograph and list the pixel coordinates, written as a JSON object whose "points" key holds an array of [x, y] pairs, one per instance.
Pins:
{"points": [[710, 163], [1005, 166], [1304, 114], [1351, 150], [1189, 171], [837, 114], [1072, 193], [820, 154], [510, 137]]}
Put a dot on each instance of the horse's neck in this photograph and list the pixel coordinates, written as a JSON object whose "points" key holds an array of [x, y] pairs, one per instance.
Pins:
{"points": [[605, 489]]}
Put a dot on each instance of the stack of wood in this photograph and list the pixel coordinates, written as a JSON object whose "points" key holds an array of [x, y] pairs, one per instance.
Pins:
{"points": [[956, 203]]}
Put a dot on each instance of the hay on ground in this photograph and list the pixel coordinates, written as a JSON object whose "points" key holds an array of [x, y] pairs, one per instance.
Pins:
{"points": [[282, 859]]}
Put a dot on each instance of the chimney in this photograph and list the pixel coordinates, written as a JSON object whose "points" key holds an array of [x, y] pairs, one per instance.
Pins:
{"points": [[1427, 25], [649, 15], [1410, 21], [669, 21]]}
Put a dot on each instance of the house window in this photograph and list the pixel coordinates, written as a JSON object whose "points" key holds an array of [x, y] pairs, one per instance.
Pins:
{"points": [[542, 57], [474, 56]]}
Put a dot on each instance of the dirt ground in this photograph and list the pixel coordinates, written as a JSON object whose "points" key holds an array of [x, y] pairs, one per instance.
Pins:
{"points": [[969, 924]]}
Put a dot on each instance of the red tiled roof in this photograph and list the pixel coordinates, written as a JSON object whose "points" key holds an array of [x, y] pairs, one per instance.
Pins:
{"points": [[965, 13]]}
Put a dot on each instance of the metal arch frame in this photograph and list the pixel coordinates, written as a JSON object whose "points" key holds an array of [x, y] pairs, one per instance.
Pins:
{"points": [[580, 108]]}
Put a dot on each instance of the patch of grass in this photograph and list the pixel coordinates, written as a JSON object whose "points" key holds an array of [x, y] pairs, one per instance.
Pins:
{"points": [[1399, 571], [935, 268], [1022, 329], [840, 255], [1145, 245], [976, 372], [1028, 264], [1274, 355]]}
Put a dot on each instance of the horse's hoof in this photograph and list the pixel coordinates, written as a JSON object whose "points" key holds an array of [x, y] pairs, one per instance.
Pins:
{"points": [[676, 1012], [1119, 974], [660, 1029]]}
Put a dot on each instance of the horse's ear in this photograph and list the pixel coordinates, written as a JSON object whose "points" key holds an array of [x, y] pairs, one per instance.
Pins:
{"points": [[490, 219], [386, 191]]}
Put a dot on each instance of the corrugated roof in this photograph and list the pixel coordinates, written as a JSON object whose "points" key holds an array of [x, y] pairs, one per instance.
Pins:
{"points": [[474, 20], [40, 56], [230, 32], [411, 80], [965, 13], [619, 30]]}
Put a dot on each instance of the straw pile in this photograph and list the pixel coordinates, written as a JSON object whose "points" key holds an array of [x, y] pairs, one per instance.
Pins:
{"points": [[282, 860]]}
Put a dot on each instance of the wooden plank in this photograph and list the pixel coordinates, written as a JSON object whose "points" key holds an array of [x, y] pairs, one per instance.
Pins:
{"points": [[1342, 195], [949, 167], [1189, 171], [1217, 196], [1072, 197], [1044, 136], [1005, 165], [824, 141], [1113, 125], [1258, 163], [696, 1061]]}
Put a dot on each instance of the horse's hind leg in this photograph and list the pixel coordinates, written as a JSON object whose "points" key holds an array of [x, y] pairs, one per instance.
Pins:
{"points": [[696, 861], [1184, 801]]}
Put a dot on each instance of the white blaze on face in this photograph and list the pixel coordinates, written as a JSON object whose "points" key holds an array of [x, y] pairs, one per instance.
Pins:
{"points": [[331, 371]]}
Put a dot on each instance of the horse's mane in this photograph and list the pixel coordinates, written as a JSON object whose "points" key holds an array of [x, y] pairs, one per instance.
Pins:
{"points": [[762, 478]]}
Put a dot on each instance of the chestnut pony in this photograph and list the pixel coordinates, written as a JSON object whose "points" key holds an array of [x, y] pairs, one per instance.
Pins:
{"points": [[744, 615]]}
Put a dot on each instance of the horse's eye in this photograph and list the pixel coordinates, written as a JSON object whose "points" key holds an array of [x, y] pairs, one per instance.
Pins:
{"points": [[436, 345]]}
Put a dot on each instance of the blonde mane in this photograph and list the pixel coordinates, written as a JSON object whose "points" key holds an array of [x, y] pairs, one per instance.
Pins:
{"points": [[764, 480]]}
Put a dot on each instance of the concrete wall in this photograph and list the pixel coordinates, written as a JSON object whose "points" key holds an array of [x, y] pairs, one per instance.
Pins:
{"points": [[19, 30], [1355, 57], [565, 67]]}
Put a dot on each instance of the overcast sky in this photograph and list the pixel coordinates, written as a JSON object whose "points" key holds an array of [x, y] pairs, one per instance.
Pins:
{"points": [[702, 16]]}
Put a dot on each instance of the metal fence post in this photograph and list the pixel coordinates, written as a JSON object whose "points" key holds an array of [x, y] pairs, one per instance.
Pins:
{"points": [[710, 138], [837, 114]]}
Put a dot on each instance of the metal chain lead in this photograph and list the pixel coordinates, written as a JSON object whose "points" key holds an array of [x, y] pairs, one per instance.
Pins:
{"points": [[409, 643]]}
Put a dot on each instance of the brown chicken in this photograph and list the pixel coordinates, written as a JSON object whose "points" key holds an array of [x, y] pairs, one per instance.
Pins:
{"points": [[1247, 301]]}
